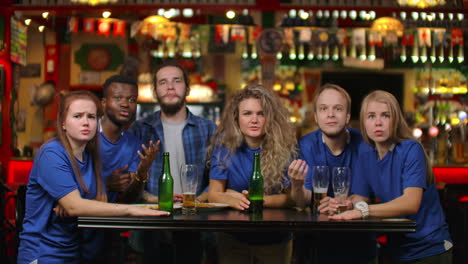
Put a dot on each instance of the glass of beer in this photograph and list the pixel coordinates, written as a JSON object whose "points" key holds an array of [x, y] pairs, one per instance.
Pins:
{"points": [[341, 181], [189, 181], [320, 181]]}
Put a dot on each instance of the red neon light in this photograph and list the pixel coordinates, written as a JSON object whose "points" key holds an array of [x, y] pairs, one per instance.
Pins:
{"points": [[18, 171], [451, 175]]}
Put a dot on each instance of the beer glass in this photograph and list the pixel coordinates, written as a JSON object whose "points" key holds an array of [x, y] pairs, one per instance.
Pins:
{"points": [[189, 182], [320, 181], [341, 181]]}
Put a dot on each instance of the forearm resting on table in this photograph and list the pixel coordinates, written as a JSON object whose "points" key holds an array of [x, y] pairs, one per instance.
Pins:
{"points": [[149, 198], [301, 196], [75, 205], [407, 204], [277, 201]]}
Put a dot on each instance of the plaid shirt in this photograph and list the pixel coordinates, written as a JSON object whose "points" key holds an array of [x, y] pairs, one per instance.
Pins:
{"points": [[196, 137]]}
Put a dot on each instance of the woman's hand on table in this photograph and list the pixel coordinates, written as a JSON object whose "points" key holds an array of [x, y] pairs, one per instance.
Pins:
{"points": [[145, 211], [330, 205], [238, 200], [347, 215]]}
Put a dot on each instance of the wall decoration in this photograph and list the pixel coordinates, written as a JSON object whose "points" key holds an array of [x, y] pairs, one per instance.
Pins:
{"points": [[31, 71], [99, 57]]}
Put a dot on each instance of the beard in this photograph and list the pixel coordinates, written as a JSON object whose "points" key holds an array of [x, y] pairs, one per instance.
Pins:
{"points": [[334, 134], [171, 109], [113, 118]]}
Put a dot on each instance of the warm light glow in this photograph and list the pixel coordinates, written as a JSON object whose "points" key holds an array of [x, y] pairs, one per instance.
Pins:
{"points": [[433, 131], [385, 24], [230, 14], [417, 132], [45, 15], [421, 3], [187, 12], [41, 28], [106, 14], [27, 22]]}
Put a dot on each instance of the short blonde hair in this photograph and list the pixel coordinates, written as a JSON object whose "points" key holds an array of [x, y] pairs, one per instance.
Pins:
{"points": [[399, 129], [339, 89]]}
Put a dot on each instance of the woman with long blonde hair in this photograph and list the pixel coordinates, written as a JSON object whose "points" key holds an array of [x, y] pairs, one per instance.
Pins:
{"points": [[394, 167], [254, 120]]}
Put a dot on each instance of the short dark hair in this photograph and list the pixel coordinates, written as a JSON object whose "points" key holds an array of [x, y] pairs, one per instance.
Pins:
{"points": [[171, 63], [118, 78]]}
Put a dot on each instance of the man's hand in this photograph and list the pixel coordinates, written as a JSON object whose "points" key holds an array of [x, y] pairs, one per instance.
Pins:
{"points": [[148, 156], [118, 181], [297, 171]]}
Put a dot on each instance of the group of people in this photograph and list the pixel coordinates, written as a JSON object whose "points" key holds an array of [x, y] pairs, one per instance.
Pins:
{"points": [[95, 167]]}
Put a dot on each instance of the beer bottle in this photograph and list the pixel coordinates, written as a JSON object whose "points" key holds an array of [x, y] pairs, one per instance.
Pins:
{"points": [[256, 187], [166, 186]]}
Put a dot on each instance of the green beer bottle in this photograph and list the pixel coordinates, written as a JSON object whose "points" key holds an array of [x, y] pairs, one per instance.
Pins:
{"points": [[256, 187], [166, 186]]}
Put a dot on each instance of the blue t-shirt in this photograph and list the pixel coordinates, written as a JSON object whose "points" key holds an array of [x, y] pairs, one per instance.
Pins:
{"points": [[316, 153], [362, 247], [235, 169], [45, 236], [117, 155], [400, 168]]}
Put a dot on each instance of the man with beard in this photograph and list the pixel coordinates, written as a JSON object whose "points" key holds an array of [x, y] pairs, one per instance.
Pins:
{"points": [[333, 145], [186, 137], [121, 150], [125, 161]]}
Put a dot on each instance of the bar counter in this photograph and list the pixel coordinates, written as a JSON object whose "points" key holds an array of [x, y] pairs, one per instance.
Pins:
{"points": [[231, 220]]}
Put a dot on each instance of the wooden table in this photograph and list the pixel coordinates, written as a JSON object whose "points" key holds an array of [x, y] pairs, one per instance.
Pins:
{"points": [[235, 221]]}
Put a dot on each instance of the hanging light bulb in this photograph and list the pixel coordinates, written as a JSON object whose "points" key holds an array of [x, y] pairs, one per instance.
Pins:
{"points": [[319, 53], [292, 52], [433, 54], [279, 55], [403, 54], [450, 56], [301, 52], [45, 15], [245, 54], [343, 14], [335, 55], [344, 52], [326, 53], [415, 52], [441, 53], [41, 28], [27, 21], [310, 55], [187, 52], [254, 54], [363, 55], [352, 51], [423, 56], [461, 56], [372, 53]]}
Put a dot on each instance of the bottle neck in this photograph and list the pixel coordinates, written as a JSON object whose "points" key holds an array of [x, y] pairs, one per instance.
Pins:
{"points": [[167, 167], [256, 163]]}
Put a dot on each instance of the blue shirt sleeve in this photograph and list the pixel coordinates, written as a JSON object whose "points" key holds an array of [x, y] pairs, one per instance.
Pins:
{"points": [[55, 174], [414, 170], [218, 170]]}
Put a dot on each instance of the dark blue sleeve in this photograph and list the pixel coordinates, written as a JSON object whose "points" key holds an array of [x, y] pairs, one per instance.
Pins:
{"points": [[414, 169], [55, 173]]}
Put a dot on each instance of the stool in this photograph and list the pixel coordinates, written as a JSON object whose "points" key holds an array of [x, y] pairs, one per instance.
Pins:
{"points": [[463, 200]]}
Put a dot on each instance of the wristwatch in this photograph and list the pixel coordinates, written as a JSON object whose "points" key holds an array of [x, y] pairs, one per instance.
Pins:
{"points": [[363, 207]]}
